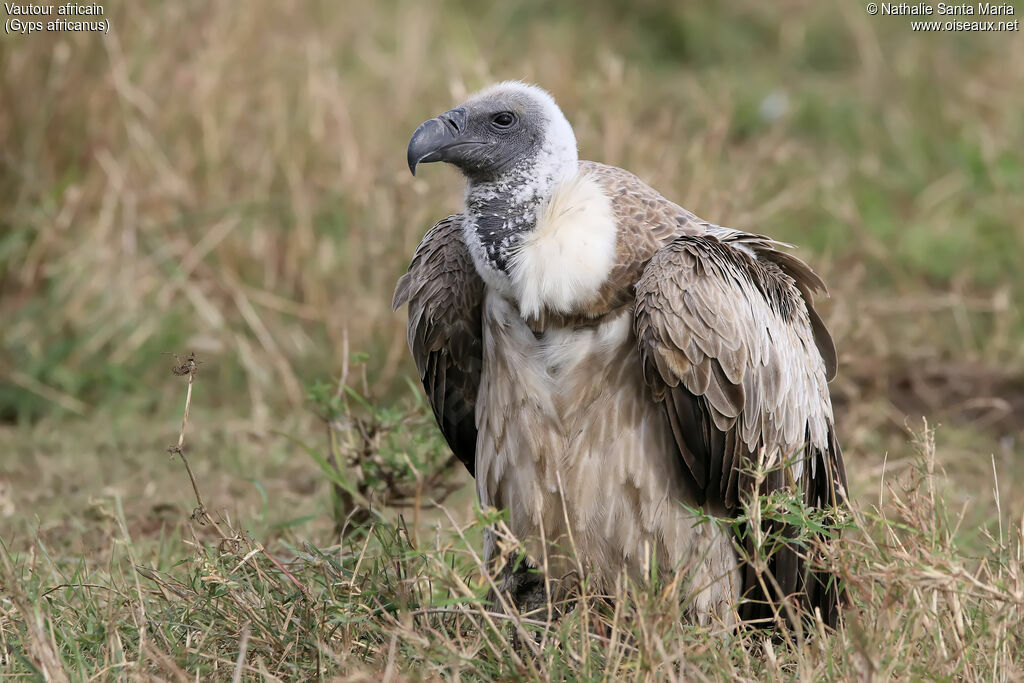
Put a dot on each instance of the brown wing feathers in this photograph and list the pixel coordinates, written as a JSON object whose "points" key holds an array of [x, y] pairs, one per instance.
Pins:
{"points": [[444, 294], [728, 341]]}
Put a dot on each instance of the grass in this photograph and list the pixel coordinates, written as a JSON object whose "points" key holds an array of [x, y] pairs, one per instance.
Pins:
{"points": [[232, 183], [399, 593]]}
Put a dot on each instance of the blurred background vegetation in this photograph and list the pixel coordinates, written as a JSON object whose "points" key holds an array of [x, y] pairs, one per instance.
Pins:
{"points": [[230, 179]]}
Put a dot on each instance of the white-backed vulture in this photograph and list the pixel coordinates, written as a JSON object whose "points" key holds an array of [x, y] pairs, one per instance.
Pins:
{"points": [[605, 363]]}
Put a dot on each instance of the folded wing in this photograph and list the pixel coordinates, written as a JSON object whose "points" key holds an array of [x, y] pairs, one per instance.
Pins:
{"points": [[734, 352], [445, 295]]}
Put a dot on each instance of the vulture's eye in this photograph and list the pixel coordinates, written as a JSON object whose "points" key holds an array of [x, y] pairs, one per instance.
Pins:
{"points": [[503, 120]]}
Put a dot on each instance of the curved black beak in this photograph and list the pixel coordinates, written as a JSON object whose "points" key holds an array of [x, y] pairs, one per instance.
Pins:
{"points": [[433, 140]]}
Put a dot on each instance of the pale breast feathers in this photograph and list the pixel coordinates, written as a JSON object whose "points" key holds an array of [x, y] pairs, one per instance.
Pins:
{"points": [[561, 265]]}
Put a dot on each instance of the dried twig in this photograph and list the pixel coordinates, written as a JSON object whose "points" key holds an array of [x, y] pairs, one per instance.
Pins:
{"points": [[190, 367]]}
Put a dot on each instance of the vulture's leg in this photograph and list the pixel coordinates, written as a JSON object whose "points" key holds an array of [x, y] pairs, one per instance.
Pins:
{"points": [[523, 584]]}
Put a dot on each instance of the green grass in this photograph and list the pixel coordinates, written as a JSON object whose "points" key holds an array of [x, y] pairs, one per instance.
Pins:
{"points": [[233, 182]]}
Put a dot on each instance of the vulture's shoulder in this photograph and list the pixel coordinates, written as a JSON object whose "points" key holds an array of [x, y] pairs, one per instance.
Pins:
{"points": [[445, 295], [644, 215], [645, 222], [648, 223]]}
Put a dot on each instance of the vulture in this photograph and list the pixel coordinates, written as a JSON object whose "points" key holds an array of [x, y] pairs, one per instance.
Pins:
{"points": [[612, 370]]}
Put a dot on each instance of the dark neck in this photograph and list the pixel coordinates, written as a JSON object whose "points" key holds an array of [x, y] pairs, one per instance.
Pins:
{"points": [[504, 209]]}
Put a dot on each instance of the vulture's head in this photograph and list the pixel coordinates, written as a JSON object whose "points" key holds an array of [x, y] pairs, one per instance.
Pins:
{"points": [[505, 128]]}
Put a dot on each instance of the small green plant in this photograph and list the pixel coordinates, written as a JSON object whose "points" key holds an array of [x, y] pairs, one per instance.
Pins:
{"points": [[378, 456]]}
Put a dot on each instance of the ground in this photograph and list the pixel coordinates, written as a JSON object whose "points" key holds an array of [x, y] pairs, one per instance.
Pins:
{"points": [[232, 182]]}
